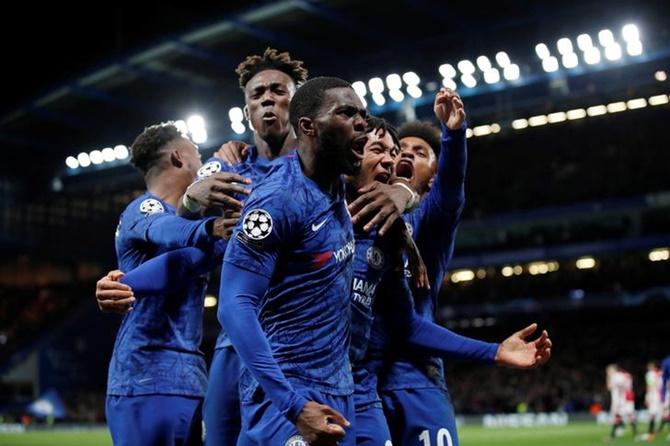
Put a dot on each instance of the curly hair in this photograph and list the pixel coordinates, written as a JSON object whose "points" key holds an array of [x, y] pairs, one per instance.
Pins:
{"points": [[424, 130], [377, 123], [271, 60], [148, 146]]}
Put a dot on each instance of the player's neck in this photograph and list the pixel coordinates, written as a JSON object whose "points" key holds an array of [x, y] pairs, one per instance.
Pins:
{"points": [[272, 149], [316, 169], [167, 186]]}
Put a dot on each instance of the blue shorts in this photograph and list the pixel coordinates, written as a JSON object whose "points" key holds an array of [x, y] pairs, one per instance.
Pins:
{"points": [[221, 411], [371, 427], [420, 417], [263, 424], [154, 420]]}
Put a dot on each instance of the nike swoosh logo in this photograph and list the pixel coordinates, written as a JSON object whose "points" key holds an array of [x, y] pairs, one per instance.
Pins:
{"points": [[317, 227], [144, 380]]}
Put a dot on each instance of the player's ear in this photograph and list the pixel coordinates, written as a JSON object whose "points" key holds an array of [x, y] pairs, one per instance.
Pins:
{"points": [[176, 158], [245, 110], [307, 126]]}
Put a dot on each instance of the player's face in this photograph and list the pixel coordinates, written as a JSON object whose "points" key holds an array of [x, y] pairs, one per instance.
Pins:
{"points": [[341, 130], [268, 95], [416, 161], [190, 155], [378, 157]]}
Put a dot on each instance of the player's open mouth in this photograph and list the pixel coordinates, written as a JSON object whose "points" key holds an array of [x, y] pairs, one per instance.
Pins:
{"points": [[383, 177], [269, 117], [404, 169], [358, 146]]}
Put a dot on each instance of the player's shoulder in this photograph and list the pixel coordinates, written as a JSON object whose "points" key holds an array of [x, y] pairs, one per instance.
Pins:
{"points": [[212, 166], [145, 205]]}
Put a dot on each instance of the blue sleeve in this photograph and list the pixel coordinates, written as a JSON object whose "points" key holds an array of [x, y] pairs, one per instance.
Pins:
{"points": [[168, 272], [666, 377], [237, 312], [168, 231], [424, 334]]}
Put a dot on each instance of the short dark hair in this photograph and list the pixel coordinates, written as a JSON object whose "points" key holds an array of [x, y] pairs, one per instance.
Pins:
{"points": [[377, 123], [425, 130], [309, 97], [271, 60], [148, 146]]}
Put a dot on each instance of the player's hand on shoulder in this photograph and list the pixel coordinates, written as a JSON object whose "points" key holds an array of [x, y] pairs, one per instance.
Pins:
{"points": [[113, 296], [518, 353], [218, 190], [321, 425], [380, 205], [223, 226], [233, 152], [449, 108]]}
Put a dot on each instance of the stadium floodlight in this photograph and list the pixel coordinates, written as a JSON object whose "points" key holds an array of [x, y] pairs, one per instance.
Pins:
{"points": [[71, 162], [538, 120], [84, 160], [511, 72], [481, 130], [121, 152], [518, 270], [658, 99], [238, 127], [503, 59], [577, 113], [393, 81], [481, 273], [463, 275], [584, 42], [634, 48], [596, 110], [570, 60], [195, 123], [449, 83], [542, 51], [552, 266], [397, 95], [469, 133], [108, 154], [659, 254], [210, 301], [378, 98], [636, 103], [507, 271], [376, 85], [550, 64], [181, 126], [466, 67], [519, 124], [96, 157], [483, 63], [411, 78], [199, 135], [359, 87], [235, 114], [605, 37], [616, 107], [469, 80], [495, 127], [492, 76], [564, 46], [447, 71], [613, 52], [592, 56], [553, 118], [630, 33], [585, 263], [414, 91]]}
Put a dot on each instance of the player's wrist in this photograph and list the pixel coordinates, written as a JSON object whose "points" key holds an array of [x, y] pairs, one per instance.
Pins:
{"points": [[413, 198]]}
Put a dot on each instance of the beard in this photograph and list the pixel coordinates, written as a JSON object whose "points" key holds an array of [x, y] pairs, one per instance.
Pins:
{"points": [[335, 152]]}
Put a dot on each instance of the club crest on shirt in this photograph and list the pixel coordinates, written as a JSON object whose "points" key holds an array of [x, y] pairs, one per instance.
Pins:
{"points": [[209, 168], [257, 224], [151, 206], [296, 440], [375, 257]]}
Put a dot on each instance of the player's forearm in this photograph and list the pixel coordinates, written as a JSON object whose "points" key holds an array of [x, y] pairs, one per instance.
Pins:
{"points": [[172, 232], [187, 208], [167, 272], [241, 291], [449, 188]]}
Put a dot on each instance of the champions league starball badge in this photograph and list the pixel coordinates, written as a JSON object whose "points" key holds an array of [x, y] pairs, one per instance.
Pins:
{"points": [[257, 224], [151, 206]]}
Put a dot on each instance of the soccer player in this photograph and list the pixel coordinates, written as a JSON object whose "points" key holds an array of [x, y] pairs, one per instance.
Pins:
{"points": [[287, 271], [652, 398], [622, 404], [157, 373], [394, 308]]}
